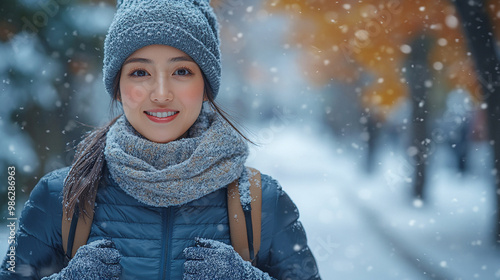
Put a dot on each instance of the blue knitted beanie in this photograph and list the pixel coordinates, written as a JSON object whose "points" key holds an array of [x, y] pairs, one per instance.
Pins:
{"points": [[188, 25]]}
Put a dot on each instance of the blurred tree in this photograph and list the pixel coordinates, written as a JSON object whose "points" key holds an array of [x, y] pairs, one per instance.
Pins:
{"points": [[370, 43], [419, 73], [50, 50], [345, 40], [479, 32]]}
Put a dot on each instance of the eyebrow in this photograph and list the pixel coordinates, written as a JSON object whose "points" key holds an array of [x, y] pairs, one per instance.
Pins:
{"points": [[181, 58], [149, 61]]}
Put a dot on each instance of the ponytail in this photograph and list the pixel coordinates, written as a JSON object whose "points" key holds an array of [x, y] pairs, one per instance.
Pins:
{"points": [[81, 184]]}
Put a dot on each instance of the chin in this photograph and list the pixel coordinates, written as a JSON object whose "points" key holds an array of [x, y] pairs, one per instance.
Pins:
{"points": [[162, 140], [159, 138]]}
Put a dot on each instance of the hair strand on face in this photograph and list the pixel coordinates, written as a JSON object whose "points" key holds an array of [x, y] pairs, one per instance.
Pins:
{"points": [[224, 115]]}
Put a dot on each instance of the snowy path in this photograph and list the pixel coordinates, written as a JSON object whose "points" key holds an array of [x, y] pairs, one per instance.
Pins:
{"points": [[318, 179], [367, 227]]}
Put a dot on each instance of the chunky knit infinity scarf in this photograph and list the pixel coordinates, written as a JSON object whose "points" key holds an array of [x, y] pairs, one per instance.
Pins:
{"points": [[180, 171]]}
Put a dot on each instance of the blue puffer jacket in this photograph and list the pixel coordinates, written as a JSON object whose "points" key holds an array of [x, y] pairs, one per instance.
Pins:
{"points": [[151, 239]]}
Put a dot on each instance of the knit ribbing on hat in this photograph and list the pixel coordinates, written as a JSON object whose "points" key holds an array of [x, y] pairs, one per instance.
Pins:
{"points": [[190, 26]]}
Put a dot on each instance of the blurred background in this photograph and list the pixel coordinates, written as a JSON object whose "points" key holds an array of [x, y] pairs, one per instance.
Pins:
{"points": [[380, 118]]}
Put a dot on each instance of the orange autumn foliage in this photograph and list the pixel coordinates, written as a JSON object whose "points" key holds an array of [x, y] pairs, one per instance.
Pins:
{"points": [[341, 40]]}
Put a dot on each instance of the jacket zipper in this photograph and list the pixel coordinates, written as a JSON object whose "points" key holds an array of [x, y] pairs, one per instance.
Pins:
{"points": [[166, 242]]}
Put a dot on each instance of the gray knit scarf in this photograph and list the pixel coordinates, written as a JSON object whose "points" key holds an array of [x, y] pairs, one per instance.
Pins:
{"points": [[175, 173]]}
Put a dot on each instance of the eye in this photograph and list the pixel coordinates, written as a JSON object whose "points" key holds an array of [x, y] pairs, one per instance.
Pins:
{"points": [[182, 72], [139, 73]]}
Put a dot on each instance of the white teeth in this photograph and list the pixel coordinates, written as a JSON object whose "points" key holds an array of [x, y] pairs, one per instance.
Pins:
{"points": [[161, 114]]}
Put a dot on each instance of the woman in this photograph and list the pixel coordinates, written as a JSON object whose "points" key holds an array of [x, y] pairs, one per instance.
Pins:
{"points": [[159, 173]]}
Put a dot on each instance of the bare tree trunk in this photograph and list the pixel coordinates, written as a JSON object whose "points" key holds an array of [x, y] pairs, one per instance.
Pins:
{"points": [[478, 30], [372, 127], [418, 78]]}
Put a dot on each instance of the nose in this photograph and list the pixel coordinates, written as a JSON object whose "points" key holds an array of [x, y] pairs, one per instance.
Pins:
{"points": [[161, 92]]}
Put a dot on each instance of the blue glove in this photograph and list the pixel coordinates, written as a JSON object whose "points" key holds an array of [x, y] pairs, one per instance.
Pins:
{"points": [[96, 260], [212, 259]]}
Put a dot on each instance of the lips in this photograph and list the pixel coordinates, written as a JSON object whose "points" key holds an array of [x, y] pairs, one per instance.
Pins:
{"points": [[161, 116]]}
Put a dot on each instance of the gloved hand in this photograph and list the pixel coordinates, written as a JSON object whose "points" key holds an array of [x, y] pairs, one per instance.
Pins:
{"points": [[96, 260], [212, 259]]}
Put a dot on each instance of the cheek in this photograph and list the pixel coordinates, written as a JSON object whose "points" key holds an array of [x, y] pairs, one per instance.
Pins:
{"points": [[193, 94], [132, 96]]}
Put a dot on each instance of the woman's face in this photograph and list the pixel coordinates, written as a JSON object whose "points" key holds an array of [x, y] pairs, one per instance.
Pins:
{"points": [[162, 91]]}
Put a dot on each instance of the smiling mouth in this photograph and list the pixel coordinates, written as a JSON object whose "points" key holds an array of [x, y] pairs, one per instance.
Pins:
{"points": [[162, 114]]}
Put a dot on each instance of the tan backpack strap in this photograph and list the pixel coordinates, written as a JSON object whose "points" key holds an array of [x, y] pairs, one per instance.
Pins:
{"points": [[77, 227], [237, 223]]}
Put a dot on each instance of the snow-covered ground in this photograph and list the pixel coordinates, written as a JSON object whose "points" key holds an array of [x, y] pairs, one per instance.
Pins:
{"points": [[367, 226]]}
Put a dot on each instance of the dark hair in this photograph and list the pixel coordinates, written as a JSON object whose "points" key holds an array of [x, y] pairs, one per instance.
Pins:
{"points": [[80, 186], [210, 96]]}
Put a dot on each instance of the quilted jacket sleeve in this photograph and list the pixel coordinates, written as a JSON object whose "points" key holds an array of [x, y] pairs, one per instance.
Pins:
{"points": [[38, 250], [289, 254]]}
